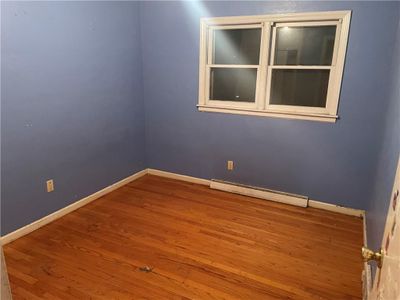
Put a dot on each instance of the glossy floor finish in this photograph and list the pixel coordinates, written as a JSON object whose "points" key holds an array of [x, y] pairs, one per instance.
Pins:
{"points": [[159, 238]]}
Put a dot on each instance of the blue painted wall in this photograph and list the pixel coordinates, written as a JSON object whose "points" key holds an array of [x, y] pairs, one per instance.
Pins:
{"points": [[90, 89], [72, 103], [334, 163], [389, 153]]}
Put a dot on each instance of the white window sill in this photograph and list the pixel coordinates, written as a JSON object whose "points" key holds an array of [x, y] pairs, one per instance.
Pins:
{"points": [[274, 114]]}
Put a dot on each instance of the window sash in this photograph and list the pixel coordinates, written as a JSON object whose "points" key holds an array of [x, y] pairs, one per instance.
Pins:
{"points": [[211, 42], [308, 24], [261, 71], [330, 105], [234, 66], [232, 104], [297, 108]]}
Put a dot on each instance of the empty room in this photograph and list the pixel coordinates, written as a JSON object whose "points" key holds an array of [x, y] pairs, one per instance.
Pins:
{"points": [[200, 150]]}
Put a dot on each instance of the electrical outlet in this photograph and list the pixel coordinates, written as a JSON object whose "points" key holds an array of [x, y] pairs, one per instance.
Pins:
{"points": [[229, 165], [50, 185]]}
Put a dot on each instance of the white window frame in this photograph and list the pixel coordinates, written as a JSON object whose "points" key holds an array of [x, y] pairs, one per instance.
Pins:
{"points": [[268, 25], [210, 65]]}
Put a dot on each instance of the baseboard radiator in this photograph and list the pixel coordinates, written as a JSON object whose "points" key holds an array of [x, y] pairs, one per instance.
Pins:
{"points": [[256, 192]]}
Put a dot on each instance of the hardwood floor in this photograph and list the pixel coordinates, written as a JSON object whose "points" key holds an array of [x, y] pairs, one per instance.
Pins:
{"points": [[198, 244]]}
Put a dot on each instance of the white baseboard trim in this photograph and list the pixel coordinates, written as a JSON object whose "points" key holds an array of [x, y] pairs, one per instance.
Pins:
{"points": [[178, 176], [311, 203], [266, 194], [261, 193], [63, 211], [336, 208]]}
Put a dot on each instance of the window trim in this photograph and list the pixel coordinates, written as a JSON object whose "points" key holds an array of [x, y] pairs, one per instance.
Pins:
{"points": [[261, 106]]}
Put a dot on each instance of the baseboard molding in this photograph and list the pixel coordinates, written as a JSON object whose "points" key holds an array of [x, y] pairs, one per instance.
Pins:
{"points": [[336, 208], [261, 193], [63, 211], [179, 176], [311, 203]]}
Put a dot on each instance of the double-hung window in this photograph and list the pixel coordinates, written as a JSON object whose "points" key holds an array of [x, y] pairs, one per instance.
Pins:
{"points": [[277, 65]]}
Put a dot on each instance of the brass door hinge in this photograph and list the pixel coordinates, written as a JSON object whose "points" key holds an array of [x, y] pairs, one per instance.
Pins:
{"points": [[369, 255]]}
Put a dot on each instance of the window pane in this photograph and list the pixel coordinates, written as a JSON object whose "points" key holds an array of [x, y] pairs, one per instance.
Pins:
{"points": [[299, 87], [237, 46], [304, 45], [233, 84]]}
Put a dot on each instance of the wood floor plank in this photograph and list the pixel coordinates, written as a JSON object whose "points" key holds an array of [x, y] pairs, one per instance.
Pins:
{"points": [[199, 244]]}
